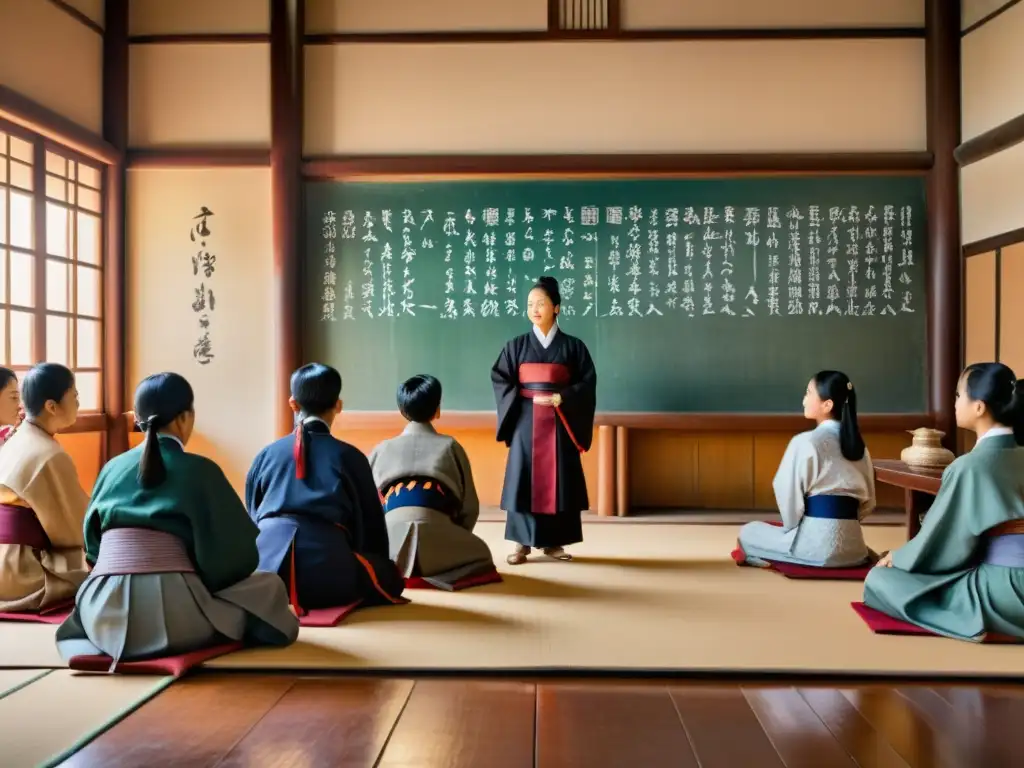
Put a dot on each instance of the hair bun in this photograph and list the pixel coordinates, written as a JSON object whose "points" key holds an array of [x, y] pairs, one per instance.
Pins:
{"points": [[547, 281]]}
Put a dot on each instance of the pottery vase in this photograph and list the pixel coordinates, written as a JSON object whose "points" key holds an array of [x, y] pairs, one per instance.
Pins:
{"points": [[926, 450]]}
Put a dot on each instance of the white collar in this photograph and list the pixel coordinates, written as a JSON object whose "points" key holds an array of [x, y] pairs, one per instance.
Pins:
{"points": [[545, 341], [995, 432], [829, 424], [310, 419], [175, 438]]}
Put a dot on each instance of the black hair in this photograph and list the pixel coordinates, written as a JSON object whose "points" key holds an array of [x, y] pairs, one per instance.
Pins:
{"points": [[419, 398], [998, 388], [550, 286], [45, 382], [159, 400], [837, 387], [6, 377], [316, 388]]}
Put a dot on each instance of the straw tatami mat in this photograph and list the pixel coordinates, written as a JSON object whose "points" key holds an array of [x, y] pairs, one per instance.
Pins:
{"points": [[636, 598], [12, 680], [44, 721]]}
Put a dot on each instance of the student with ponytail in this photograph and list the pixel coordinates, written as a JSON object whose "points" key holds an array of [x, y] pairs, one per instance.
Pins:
{"points": [[824, 487], [173, 551], [319, 513], [962, 575]]}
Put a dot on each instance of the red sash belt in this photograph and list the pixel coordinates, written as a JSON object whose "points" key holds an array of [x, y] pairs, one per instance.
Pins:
{"points": [[19, 525], [544, 379]]}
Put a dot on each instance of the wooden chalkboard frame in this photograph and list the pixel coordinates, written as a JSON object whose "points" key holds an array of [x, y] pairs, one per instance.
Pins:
{"points": [[686, 422]]}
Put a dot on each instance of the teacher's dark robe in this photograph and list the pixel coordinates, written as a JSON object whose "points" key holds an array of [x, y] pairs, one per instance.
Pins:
{"points": [[544, 490]]}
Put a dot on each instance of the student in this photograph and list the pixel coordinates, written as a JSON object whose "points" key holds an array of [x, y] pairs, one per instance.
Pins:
{"points": [[429, 497], [172, 549], [962, 575], [42, 504], [320, 517], [11, 414], [824, 486], [545, 386]]}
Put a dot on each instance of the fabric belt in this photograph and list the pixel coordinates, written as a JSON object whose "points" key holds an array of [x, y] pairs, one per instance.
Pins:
{"points": [[418, 492], [19, 525], [1006, 550], [829, 507], [125, 551]]}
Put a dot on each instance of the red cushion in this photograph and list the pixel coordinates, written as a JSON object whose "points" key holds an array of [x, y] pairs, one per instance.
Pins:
{"points": [[794, 571], [327, 617], [175, 666], [55, 614], [490, 577], [883, 624]]}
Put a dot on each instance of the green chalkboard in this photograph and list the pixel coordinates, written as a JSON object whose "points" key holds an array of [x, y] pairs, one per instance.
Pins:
{"points": [[720, 295]]}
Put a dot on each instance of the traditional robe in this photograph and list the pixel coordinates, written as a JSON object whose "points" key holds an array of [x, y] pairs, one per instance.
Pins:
{"points": [[324, 533], [822, 498], [431, 506], [40, 489], [134, 612], [544, 490], [959, 576]]}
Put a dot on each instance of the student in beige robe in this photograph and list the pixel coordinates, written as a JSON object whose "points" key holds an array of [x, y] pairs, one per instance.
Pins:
{"points": [[42, 504], [430, 500], [10, 405]]}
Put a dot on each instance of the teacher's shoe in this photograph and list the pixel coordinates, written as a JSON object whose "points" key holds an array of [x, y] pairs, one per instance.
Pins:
{"points": [[557, 553], [519, 556]]}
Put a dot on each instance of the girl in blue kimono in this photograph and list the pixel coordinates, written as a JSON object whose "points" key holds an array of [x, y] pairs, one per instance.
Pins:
{"points": [[320, 516]]}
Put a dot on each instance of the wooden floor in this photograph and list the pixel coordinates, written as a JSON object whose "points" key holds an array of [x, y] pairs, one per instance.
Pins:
{"points": [[280, 720]]}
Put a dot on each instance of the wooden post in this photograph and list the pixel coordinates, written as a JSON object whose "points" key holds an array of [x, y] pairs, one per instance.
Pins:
{"points": [[287, 27], [115, 131], [606, 471], [942, 70], [622, 471]]}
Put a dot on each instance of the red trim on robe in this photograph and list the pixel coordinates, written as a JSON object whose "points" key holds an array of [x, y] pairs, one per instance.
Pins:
{"points": [[544, 445], [299, 454]]}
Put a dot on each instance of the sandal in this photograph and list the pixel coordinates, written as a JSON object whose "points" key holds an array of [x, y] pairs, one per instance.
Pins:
{"points": [[557, 553], [519, 556]]}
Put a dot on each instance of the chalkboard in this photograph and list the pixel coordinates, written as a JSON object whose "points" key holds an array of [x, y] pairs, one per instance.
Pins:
{"points": [[693, 295]]}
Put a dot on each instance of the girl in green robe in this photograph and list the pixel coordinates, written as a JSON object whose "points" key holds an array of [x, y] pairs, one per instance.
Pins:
{"points": [[172, 549], [962, 576]]}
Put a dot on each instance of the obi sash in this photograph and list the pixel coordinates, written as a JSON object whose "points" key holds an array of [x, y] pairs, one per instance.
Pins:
{"points": [[418, 492], [545, 379], [1004, 545], [827, 507], [19, 525], [133, 551]]}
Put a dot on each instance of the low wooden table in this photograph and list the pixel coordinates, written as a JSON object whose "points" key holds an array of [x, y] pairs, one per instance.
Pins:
{"points": [[919, 488]]}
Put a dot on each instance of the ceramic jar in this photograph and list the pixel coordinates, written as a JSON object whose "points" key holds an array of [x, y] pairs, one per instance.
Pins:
{"points": [[926, 450]]}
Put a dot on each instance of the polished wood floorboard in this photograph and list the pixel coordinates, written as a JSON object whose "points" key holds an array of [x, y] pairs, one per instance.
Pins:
{"points": [[285, 721]]}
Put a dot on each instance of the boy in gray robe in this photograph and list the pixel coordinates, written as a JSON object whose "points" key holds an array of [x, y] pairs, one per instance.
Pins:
{"points": [[430, 500]]}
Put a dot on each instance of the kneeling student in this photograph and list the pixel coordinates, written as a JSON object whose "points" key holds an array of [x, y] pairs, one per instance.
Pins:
{"points": [[824, 487], [429, 496], [173, 551], [320, 517]]}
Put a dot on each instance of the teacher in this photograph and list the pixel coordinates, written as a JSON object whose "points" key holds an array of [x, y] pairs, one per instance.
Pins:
{"points": [[545, 388]]}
